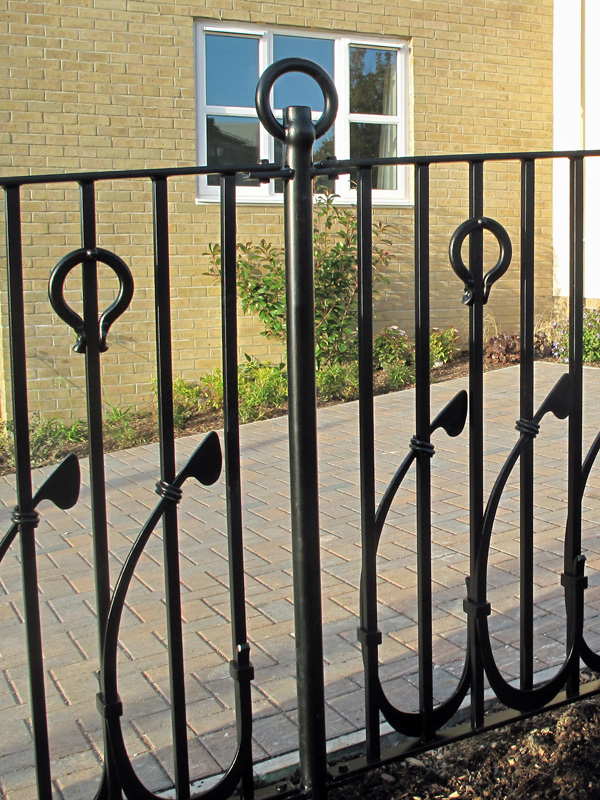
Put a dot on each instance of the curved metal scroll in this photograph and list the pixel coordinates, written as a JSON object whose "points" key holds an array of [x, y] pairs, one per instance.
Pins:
{"points": [[452, 420], [558, 402], [61, 487], [591, 659], [205, 466], [57, 299], [496, 272]]}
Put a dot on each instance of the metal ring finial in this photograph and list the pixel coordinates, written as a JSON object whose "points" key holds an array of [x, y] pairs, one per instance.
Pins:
{"points": [[279, 68], [458, 265], [57, 300]]}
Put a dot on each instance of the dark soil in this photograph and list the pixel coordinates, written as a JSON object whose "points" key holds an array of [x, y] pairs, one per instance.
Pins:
{"points": [[555, 756]]}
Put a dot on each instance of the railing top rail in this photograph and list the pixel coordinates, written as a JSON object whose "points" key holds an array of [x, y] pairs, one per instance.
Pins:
{"points": [[272, 170], [262, 170]]}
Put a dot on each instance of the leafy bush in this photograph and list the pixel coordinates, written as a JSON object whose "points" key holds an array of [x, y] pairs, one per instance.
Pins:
{"points": [[211, 388], [504, 348], [591, 337], [186, 401], [261, 388], [392, 346], [398, 376], [338, 381], [442, 345], [261, 280], [542, 345]]}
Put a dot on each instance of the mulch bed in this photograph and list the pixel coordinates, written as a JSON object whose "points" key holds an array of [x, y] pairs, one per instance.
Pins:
{"points": [[554, 756]]}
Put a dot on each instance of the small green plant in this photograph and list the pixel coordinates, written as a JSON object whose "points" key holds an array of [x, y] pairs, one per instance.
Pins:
{"points": [[211, 388], [49, 440], [187, 398], [261, 280], [442, 345], [391, 346], [119, 424], [338, 382], [591, 337], [398, 376], [261, 388]]}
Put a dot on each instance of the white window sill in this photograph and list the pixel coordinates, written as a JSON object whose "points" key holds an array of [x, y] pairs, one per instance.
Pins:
{"points": [[270, 200]]}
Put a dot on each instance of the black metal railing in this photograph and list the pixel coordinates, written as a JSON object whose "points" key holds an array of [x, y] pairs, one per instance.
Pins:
{"points": [[431, 723]]}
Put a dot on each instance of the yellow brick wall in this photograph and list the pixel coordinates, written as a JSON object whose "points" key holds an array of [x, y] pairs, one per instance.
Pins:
{"points": [[109, 84]]}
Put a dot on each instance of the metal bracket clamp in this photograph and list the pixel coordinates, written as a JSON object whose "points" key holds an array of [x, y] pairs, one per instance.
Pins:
{"points": [[241, 668], [25, 517], [419, 446], [369, 638], [575, 580], [108, 710], [528, 427], [169, 491], [478, 610]]}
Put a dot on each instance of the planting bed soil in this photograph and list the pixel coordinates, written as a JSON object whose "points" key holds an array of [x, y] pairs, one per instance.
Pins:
{"points": [[554, 756]]}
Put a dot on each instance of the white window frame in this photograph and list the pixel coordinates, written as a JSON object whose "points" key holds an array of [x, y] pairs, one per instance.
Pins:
{"points": [[265, 193]]}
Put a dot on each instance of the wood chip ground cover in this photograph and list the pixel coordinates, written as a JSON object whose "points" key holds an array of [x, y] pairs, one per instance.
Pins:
{"points": [[553, 756]]}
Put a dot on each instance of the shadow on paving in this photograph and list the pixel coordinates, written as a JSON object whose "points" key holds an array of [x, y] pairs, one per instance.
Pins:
{"points": [[67, 588]]}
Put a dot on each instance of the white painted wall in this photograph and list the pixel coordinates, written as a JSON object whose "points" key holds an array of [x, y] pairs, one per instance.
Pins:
{"points": [[576, 126], [592, 142], [568, 128]]}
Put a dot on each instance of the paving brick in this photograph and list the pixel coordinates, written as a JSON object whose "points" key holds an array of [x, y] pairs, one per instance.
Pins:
{"points": [[69, 625]]}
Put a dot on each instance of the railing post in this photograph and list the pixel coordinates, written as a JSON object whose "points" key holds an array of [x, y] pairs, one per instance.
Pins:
{"points": [[304, 490], [299, 134]]}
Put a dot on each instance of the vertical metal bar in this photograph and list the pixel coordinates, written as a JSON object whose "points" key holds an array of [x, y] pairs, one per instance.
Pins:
{"points": [[25, 513], [526, 412], [93, 382], [162, 293], [476, 593], [306, 556], [368, 634], [94, 411], [573, 565], [423, 466], [241, 669]]}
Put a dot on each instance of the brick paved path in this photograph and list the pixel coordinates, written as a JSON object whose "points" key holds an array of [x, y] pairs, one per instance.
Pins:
{"points": [[67, 598]]}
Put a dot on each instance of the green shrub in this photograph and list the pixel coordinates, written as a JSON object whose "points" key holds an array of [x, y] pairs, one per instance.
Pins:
{"points": [[186, 401], [211, 388], [261, 280], [392, 346], [442, 345], [338, 381], [261, 388], [49, 439], [398, 376], [591, 337]]}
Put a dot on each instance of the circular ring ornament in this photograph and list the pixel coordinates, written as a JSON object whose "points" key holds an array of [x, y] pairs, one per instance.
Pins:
{"points": [[458, 265], [65, 312], [279, 68]]}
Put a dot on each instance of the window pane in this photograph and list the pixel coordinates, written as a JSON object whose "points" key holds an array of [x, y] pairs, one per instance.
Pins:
{"points": [[231, 70], [295, 89], [375, 141], [373, 81], [231, 140]]}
